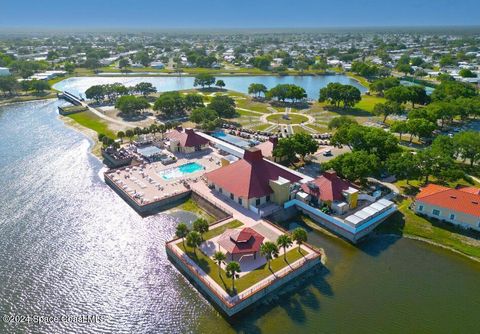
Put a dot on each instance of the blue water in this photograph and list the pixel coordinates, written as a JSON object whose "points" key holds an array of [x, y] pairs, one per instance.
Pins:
{"points": [[311, 84], [231, 139], [69, 245], [180, 171], [428, 90]]}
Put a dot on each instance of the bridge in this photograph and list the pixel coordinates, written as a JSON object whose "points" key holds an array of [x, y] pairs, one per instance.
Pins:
{"points": [[70, 98]]}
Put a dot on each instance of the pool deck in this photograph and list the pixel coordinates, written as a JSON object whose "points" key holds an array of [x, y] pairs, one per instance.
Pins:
{"points": [[144, 184]]}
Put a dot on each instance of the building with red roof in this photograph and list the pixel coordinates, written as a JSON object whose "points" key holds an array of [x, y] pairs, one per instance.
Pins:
{"points": [[240, 242], [267, 148], [458, 206], [331, 190], [253, 181], [186, 141]]}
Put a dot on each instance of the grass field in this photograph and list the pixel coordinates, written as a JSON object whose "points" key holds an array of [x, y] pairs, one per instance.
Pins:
{"points": [[192, 206], [92, 121], [406, 222], [219, 230], [294, 118], [244, 282]]}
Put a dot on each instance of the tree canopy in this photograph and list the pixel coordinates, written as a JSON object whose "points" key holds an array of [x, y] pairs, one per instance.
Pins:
{"points": [[335, 93]]}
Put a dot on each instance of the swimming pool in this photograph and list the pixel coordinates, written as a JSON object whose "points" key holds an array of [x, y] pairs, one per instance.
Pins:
{"points": [[231, 139], [180, 171]]}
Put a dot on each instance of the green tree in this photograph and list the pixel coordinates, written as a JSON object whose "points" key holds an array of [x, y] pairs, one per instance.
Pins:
{"points": [[467, 145], [219, 257], [96, 92], [129, 134], [182, 229], [388, 108], [284, 241], [232, 270], [194, 239], [40, 86], [404, 165], [299, 235], [69, 67], [417, 94], [356, 165], [304, 144], [399, 94], [170, 103], [257, 89], [399, 127], [381, 85], [220, 84], [269, 250], [129, 104], [121, 135], [450, 90], [143, 58], [205, 117], [335, 93], [204, 79], [145, 88], [419, 127], [193, 101], [123, 63], [466, 73], [340, 121], [223, 105], [201, 226]]}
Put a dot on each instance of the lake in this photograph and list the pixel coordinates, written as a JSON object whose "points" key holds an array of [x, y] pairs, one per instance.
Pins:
{"points": [[311, 84], [71, 246]]}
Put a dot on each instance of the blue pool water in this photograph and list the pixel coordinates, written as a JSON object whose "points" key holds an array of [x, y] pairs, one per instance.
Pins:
{"points": [[231, 139], [179, 171]]}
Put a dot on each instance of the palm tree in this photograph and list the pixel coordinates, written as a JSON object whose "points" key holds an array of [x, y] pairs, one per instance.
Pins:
{"points": [[121, 135], [194, 239], [129, 134], [181, 232], [232, 269], [284, 241], [300, 236], [219, 257], [201, 226], [269, 250]]}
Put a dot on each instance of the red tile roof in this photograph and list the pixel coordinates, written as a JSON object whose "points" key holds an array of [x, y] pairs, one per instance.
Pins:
{"points": [[187, 138], [461, 200], [327, 187], [268, 146], [241, 241], [249, 177]]}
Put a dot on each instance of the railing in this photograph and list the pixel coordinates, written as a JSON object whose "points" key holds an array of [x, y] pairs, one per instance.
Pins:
{"points": [[222, 294]]}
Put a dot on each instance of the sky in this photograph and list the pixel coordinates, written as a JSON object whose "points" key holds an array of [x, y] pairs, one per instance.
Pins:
{"points": [[247, 14]]}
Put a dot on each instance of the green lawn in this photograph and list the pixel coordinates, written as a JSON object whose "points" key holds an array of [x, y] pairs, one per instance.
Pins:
{"points": [[368, 102], [247, 113], [406, 222], [219, 230], [243, 283], [294, 118], [261, 127], [299, 129], [92, 121], [192, 206]]}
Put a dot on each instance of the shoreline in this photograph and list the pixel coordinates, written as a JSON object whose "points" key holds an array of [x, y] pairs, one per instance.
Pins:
{"points": [[427, 241]]}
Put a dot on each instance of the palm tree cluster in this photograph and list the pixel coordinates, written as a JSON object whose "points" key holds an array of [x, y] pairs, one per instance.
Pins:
{"points": [[194, 238]]}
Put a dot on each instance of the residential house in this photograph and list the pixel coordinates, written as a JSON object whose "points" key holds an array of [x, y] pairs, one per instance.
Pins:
{"points": [[457, 206]]}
